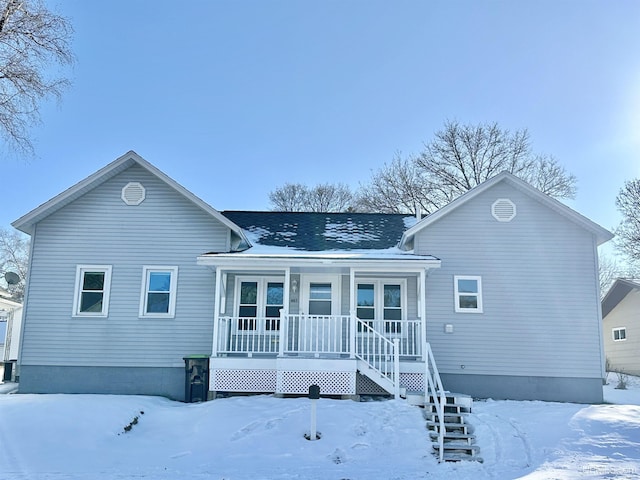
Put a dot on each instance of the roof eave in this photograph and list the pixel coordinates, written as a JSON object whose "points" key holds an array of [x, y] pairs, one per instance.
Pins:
{"points": [[601, 234], [284, 261], [26, 222]]}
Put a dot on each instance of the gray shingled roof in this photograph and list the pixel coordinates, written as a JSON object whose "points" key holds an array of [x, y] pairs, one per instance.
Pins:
{"points": [[322, 231]]}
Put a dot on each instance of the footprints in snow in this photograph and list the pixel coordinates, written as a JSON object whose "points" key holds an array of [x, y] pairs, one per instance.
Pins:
{"points": [[338, 456]]}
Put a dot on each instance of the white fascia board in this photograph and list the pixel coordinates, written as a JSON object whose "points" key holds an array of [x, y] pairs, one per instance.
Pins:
{"points": [[602, 235], [243, 261], [26, 222]]}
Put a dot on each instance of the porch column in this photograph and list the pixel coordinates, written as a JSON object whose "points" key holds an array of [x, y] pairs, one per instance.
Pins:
{"points": [[352, 313], [422, 298], [284, 313], [217, 302]]}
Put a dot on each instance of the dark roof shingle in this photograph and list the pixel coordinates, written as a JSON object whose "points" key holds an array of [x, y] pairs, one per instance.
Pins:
{"points": [[322, 231]]}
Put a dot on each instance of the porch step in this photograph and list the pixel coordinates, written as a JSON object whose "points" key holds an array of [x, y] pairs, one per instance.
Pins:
{"points": [[451, 427], [462, 448], [447, 417], [460, 457], [449, 408], [459, 443], [449, 437]]}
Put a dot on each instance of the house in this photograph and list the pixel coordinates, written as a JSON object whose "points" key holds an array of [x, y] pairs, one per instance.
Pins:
{"points": [[10, 320], [130, 273], [621, 326]]}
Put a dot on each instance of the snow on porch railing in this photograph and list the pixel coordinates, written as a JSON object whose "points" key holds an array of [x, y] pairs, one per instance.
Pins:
{"points": [[434, 390]]}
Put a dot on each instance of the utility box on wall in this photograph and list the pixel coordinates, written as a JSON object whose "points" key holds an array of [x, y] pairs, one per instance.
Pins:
{"points": [[196, 378]]}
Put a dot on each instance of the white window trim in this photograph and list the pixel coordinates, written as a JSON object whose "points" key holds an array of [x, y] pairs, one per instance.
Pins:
{"points": [[172, 291], [305, 291], [80, 270], [262, 291], [618, 329], [456, 294], [379, 284]]}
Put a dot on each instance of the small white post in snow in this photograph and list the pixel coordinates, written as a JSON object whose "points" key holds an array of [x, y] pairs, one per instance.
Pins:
{"points": [[314, 395]]}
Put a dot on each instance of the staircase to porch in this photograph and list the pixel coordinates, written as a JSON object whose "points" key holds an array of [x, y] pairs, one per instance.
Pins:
{"points": [[330, 351], [446, 413]]}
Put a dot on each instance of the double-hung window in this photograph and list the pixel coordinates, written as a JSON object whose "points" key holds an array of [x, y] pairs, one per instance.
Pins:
{"points": [[159, 292], [468, 294], [91, 298], [619, 334]]}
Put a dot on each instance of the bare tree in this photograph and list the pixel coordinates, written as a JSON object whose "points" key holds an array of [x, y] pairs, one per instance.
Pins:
{"points": [[457, 159], [628, 232], [14, 257], [397, 187], [290, 197], [33, 40], [463, 156], [325, 197]]}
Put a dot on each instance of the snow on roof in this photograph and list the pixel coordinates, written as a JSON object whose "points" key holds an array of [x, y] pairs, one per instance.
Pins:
{"points": [[310, 231]]}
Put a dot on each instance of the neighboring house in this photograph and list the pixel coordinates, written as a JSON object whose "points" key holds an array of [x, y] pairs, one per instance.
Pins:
{"points": [[130, 272], [10, 323], [621, 326]]}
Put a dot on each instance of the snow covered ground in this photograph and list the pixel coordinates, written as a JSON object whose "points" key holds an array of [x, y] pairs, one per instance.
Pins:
{"points": [[52, 437]]}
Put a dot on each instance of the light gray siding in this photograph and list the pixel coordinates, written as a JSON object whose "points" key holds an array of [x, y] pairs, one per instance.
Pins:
{"points": [[100, 229], [540, 293], [624, 355]]}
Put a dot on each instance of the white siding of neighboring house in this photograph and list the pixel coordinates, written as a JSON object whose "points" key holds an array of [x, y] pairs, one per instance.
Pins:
{"points": [[99, 229], [540, 292], [624, 355]]}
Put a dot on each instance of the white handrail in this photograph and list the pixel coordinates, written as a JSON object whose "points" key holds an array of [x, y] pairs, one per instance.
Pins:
{"points": [[379, 353], [434, 385]]}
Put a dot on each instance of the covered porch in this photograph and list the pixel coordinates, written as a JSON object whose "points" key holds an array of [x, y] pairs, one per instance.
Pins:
{"points": [[349, 322]]}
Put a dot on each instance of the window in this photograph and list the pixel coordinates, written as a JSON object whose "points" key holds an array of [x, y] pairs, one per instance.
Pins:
{"points": [[365, 309], [91, 297], [275, 303], [260, 303], [619, 334], [320, 299], [468, 294], [381, 300], [159, 292], [248, 306]]}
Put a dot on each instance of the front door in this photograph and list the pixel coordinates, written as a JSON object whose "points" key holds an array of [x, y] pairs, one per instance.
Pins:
{"points": [[381, 304], [321, 326], [258, 312]]}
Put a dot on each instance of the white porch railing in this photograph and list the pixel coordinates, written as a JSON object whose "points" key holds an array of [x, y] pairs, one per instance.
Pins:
{"points": [[434, 390], [248, 335], [380, 354], [317, 335]]}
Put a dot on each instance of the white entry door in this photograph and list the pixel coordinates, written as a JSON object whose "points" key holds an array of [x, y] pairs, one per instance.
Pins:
{"points": [[320, 329]]}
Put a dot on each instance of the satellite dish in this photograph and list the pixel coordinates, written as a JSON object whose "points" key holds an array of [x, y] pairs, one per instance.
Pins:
{"points": [[12, 278]]}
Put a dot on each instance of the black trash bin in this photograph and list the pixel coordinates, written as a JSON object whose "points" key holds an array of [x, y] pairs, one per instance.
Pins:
{"points": [[8, 372], [196, 378]]}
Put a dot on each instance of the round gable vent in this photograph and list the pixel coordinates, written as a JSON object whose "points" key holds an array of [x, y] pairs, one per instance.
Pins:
{"points": [[133, 193], [503, 210]]}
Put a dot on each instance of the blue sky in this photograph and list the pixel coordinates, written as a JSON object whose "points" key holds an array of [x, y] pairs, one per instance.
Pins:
{"points": [[234, 98]]}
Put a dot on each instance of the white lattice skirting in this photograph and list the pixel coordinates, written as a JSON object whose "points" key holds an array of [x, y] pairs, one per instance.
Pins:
{"points": [[248, 381], [413, 382], [330, 383]]}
